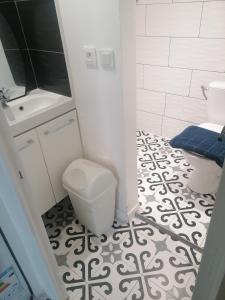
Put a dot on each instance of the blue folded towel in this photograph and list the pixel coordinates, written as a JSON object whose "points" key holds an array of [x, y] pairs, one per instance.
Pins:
{"points": [[201, 141]]}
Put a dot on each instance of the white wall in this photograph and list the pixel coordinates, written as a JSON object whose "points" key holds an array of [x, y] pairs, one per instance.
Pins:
{"points": [[127, 40], [106, 107], [180, 46]]}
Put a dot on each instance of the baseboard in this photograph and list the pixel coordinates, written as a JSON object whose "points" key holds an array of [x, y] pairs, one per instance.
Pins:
{"points": [[132, 212], [121, 216], [125, 217]]}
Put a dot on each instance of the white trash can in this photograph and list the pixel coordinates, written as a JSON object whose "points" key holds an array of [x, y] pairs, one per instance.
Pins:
{"points": [[92, 191]]}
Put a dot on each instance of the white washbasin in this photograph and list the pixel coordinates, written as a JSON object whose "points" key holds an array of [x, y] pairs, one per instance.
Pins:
{"points": [[32, 104], [35, 109]]}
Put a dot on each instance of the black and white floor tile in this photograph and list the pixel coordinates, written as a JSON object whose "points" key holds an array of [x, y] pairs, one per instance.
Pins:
{"points": [[136, 260], [164, 196], [132, 261]]}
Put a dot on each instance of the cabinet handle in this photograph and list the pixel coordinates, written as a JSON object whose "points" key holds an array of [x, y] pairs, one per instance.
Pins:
{"points": [[27, 144], [47, 132]]}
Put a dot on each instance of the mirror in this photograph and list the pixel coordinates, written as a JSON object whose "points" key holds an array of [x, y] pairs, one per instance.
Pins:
{"points": [[12, 70]]}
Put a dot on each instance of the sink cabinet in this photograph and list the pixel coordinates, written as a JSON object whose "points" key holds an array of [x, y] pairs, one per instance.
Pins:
{"points": [[46, 151], [34, 169], [59, 141]]}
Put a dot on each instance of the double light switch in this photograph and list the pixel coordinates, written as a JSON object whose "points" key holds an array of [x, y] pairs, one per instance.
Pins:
{"points": [[106, 57]]}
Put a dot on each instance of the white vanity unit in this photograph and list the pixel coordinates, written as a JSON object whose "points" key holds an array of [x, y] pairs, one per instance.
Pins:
{"points": [[46, 144]]}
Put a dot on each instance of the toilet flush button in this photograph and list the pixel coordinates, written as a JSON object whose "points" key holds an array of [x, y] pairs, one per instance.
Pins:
{"points": [[107, 58]]}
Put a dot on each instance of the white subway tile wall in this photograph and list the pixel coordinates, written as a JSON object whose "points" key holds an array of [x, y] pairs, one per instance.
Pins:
{"points": [[180, 46], [166, 79], [172, 127], [140, 76], [213, 20], [197, 53], [191, 109], [152, 50], [149, 122], [140, 20], [176, 19], [154, 99]]}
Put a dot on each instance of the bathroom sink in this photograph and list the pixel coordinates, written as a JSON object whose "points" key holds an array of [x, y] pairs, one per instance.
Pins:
{"points": [[32, 104], [35, 109]]}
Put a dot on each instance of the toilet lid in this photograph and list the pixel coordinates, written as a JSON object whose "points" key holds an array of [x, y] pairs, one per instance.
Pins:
{"points": [[212, 127], [209, 126]]}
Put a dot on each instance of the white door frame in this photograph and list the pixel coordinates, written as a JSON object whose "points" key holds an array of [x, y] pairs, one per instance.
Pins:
{"points": [[210, 281]]}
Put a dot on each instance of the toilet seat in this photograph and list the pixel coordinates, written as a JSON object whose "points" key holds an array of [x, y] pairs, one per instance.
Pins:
{"points": [[211, 126], [206, 175]]}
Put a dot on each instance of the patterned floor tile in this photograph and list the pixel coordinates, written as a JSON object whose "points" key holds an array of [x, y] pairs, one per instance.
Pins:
{"points": [[136, 260], [131, 261], [155, 211], [164, 195]]}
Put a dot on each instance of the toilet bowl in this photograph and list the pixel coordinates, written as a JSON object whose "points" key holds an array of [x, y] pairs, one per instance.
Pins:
{"points": [[206, 174]]}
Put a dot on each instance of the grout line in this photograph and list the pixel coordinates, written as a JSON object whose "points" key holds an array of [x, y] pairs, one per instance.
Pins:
{"points": [[190, 84], [172, 94], [48, 51], [146, 9], [32, 66], [172, 234], [151, 113], [182, 37], [169, 52], [180, 68], [174, 2], [143, 76], [31, 49], [17, 49], [6, 2], [158, 92], [200, 25], [164, 112], [167, 117], [163, 116], [161, 127]]}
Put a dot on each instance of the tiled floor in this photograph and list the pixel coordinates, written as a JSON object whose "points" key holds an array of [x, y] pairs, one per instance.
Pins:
{"points": [[136, 260], [164, 196], [133, 261]]}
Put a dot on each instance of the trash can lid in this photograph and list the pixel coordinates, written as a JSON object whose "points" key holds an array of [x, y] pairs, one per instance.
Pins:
{"points": [[87, 179]]}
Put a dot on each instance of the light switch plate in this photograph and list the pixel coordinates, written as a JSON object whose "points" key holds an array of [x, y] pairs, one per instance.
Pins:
{"points": [[107, 58], [90, 56]]}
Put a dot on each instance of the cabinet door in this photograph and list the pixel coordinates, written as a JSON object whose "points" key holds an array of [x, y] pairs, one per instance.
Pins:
{"points": [[60, 142], [35, 169]]}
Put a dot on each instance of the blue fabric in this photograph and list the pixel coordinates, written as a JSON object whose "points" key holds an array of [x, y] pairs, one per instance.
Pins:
{"points": [[201, 141]]}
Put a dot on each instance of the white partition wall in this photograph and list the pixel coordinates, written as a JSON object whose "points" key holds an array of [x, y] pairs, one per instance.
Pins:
{"points": [[105, 97]]}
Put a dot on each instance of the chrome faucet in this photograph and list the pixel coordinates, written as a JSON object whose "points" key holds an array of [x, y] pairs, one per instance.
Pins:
{"points": [[4, 98]]}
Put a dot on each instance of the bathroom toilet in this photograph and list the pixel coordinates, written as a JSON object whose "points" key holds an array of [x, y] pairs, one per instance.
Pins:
{"points": [[206, 174]]}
